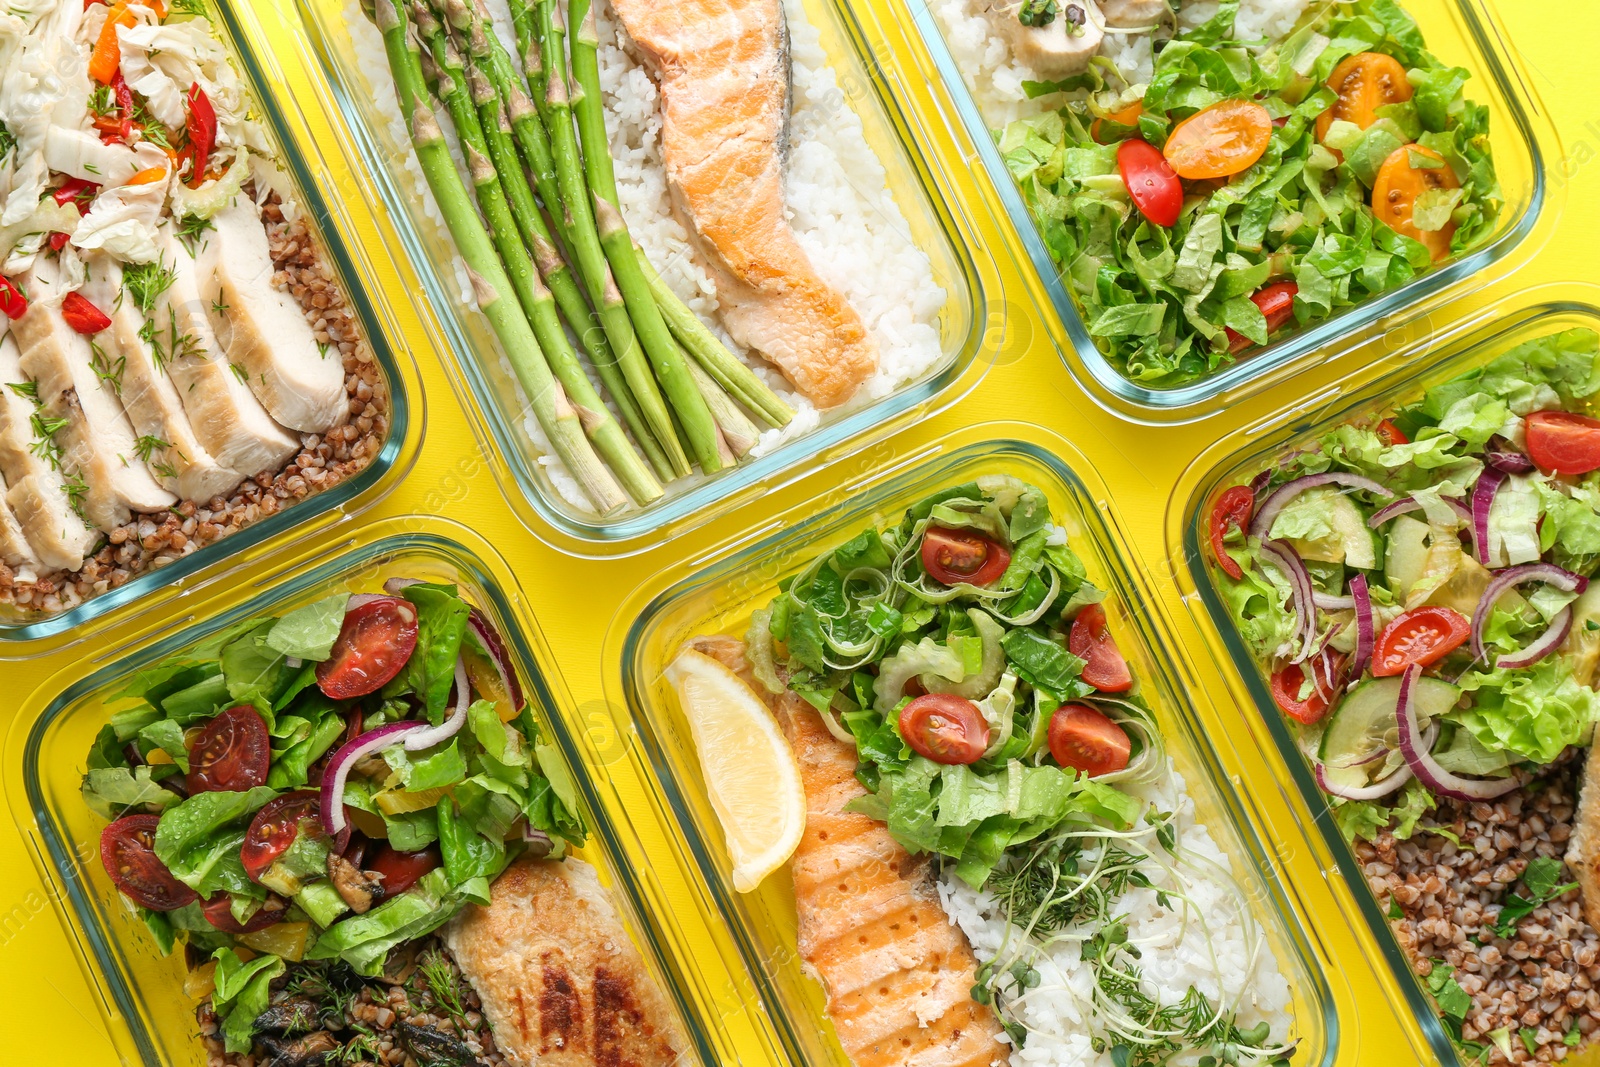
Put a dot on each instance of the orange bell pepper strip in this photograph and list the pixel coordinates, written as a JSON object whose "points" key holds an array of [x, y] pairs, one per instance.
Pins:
{"points": [[107, 56], [148, 176]]}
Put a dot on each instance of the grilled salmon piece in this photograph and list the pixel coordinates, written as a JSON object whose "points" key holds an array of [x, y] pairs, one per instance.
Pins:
{"points": [[559, 979], [897, 972], [723, 69]]}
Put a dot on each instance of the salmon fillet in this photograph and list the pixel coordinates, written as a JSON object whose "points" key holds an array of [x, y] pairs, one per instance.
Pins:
{"points": [[559, 979], [897, 972], [723, 69]]}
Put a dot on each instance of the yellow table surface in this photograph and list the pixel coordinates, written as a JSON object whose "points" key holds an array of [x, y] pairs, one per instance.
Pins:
{"points": [[51, 1015]]}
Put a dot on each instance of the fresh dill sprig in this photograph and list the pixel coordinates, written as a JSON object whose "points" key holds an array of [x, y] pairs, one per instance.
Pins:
{"points": [[148, 445], [7, 140], [26, 390], [189, 229], [105, 368], [441, 979], [145, 282], [44, 438], [76, 489], [102, 101], [187, 7]]}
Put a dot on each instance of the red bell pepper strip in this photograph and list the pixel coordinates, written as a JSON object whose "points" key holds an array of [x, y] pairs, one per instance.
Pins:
{"points": [[202, 132], [58, 240], [12, 302], [83, 316], [77, 191]]}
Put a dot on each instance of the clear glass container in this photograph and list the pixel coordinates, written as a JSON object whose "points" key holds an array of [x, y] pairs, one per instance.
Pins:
{"points": [[1469, 342], [345, 73], [761, 926], [1467, 33], [139, 992], [333, 224]]}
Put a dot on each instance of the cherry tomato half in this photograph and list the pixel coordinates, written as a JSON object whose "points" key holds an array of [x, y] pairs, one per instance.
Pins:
{"points": [[1365, 82], [1562, 442], [952, 557], [1422, 635], [1232, 511], [401, 870], [945, 728], [1085, 740], [376, 640], [1390, 434], [275, 828], [1128, 116], [1276, 302], [83, 316], [127, 851], [1091, 641], [1288, 682], [219, 913], [1398, 186], [1155, 189], [1223, 140], [232, 752]]}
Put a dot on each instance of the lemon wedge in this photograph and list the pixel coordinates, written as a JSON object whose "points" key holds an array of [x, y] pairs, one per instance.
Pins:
{"points": [[749, 770]]}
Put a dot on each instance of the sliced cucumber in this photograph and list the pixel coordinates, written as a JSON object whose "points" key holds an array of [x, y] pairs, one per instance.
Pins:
{"points": [[1407, 557], [1364, 723], [1350, 542], [1583, 643]]}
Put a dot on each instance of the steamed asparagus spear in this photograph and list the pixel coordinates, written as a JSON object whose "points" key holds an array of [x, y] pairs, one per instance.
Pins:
{"points": [[491, 286]]}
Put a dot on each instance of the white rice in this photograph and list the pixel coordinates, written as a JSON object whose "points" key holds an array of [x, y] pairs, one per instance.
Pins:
{"points": [[839, 206], [995, 76], [1213, 945]]}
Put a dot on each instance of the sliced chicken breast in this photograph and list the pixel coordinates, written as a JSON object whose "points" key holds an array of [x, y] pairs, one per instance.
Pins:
{"points": [[263, 329], [15, 551], [1059, 49], [227, 418], [165, 440], [76, 384], [35, 489], [1134, 14]]}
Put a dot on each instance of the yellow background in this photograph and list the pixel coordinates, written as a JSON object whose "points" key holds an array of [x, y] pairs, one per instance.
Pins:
{"points": [[50, 1013]]}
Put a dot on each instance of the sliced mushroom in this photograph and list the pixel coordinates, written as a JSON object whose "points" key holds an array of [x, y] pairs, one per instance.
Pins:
{"points": [[400, 964], [313, 1050], [356, 887], [435, 1047], [296, 1016], [1059, 49]]}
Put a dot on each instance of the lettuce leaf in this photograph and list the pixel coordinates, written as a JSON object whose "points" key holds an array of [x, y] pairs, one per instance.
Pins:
{"points": [[243, 991], [1533, 713]]}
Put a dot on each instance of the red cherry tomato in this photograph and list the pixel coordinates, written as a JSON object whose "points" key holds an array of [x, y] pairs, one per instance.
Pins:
{"points": [[1423, 636], [1390, 434], [127, 851], [1085, 740], [1155, 189], [1276, 302], [275, 828], [945, 728], [952, 557], [1231, 511], [1561, 442], [1091, 641], [1288, 682], [232, 753], [376, 640], [219, 913], [12, 302], [401, 870], [83, 316]]}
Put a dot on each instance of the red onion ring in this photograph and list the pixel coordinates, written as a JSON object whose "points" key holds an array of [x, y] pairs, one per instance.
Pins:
{"points": [[1283, 556], [337, 772], [1365, 629], [1406, 505], [1261, 525], [479, 627], [1510, 578], [1329, 602], [394, 586], [1489, 483], [1376, 791], [429, 736], [1425, 767], [1503, 456], [358, 599]]}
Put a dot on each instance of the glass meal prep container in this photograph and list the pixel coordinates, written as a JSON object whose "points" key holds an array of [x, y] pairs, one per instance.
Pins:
{"points": [[139, 992], [1466, 33], [239, 29], [1470, 342], [650, 630], [379, 150]]}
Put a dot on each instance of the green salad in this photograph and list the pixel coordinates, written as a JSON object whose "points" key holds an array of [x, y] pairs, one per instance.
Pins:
{"points": [[1418, 590], [323, 786], [1247, 191]]}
